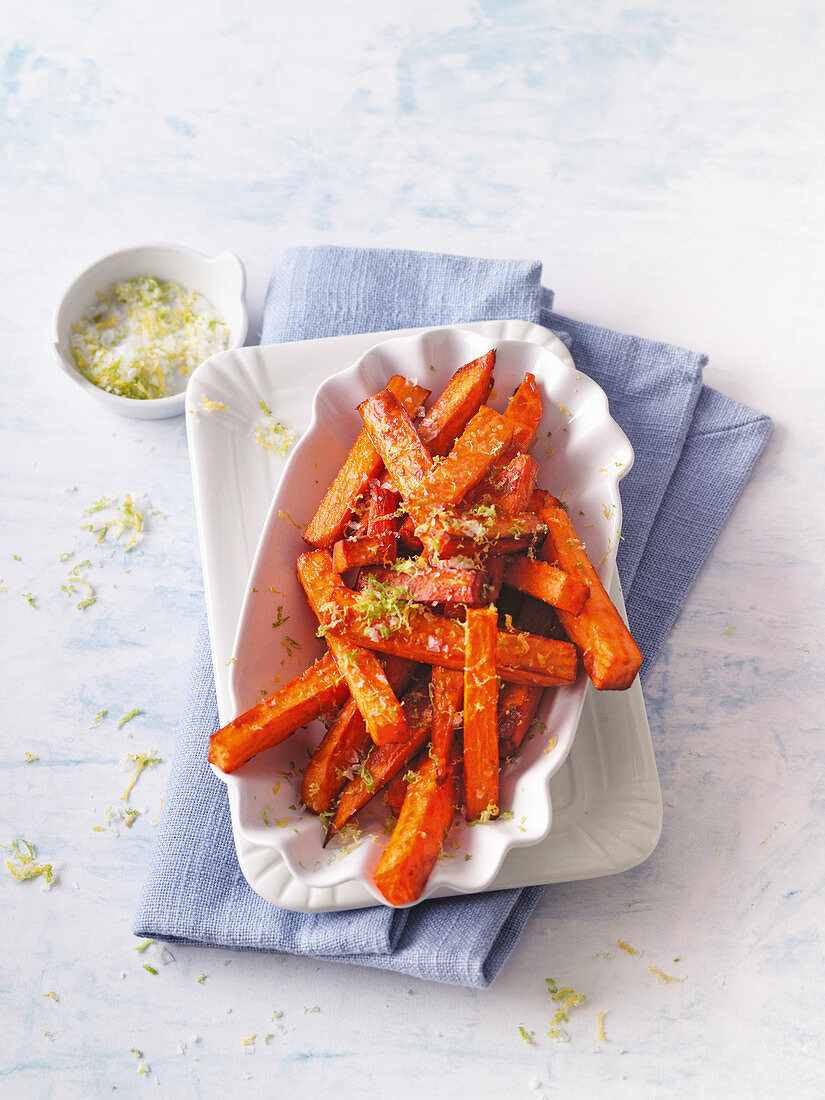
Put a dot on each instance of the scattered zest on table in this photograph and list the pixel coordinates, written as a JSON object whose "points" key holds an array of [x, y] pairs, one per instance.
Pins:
{"points": [[470, 595]]}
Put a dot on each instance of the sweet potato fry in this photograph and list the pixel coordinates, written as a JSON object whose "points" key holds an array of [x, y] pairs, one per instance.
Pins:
{"points": [[353, 553], [495, 577], [514, 486], [524, 413], [475, 450], [432, 584], [517, 706], [397, 442], [461, 399], [480, 709], [362, 463], [524, 409], [344, 742], [425, 819], [536, 616], [447, 692], [474, 532], [408, 540], [546, 582], [395, 792], [382, 522], [297, 703], [542, 499], [609, 653], [388, 625], [446, 585], [370, 688], [385, 761]]}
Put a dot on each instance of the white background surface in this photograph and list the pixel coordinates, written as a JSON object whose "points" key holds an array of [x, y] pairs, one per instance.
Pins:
{"points": [[665, 162]]}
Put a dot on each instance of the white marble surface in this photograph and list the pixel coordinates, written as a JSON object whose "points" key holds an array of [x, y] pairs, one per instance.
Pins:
{"points": [[665, 161]]}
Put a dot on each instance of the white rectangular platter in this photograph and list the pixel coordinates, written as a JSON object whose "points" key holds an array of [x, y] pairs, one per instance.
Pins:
{"points": [[607, 808]]}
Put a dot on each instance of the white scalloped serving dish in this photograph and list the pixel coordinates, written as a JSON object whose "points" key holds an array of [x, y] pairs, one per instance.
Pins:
{"points": [[582, 453]]}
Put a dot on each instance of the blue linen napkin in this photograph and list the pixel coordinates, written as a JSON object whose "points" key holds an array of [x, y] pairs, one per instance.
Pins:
{"points": [[695, 450]]}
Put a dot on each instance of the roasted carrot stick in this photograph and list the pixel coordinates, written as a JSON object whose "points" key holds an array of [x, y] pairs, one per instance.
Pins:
{"points": [[546, 582], [300, 701], [425, 819], [480, 709], [385, 761], [344, 742], [461, 399], [609, 652], [362, 463]]}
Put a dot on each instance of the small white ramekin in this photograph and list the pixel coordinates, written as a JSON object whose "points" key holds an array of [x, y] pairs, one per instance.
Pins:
{"points": [[222, 280]]}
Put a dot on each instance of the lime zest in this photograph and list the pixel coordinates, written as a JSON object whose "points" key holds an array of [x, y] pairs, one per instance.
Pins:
{"points": [[23, 865], [141, 760], [271, 434], [144, 337], [121, 722]]}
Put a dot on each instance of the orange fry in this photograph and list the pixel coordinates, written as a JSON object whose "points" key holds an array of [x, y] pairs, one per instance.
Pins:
{"points": [[609, 652], [447, 694], [370, 688], [431, 584], [297, 703], [474, 532], [546, 582], [353, 553], [386, 761], [394, 437], [475, 450], [517, 706], [425, 819], [362, 463], [463, 396], [382, 522], [344, 742], [480, 708], [420, 635], [524, 409]]}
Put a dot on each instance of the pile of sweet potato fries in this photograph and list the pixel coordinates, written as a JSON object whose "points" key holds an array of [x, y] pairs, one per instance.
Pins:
{"points": [[471, 593]]}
